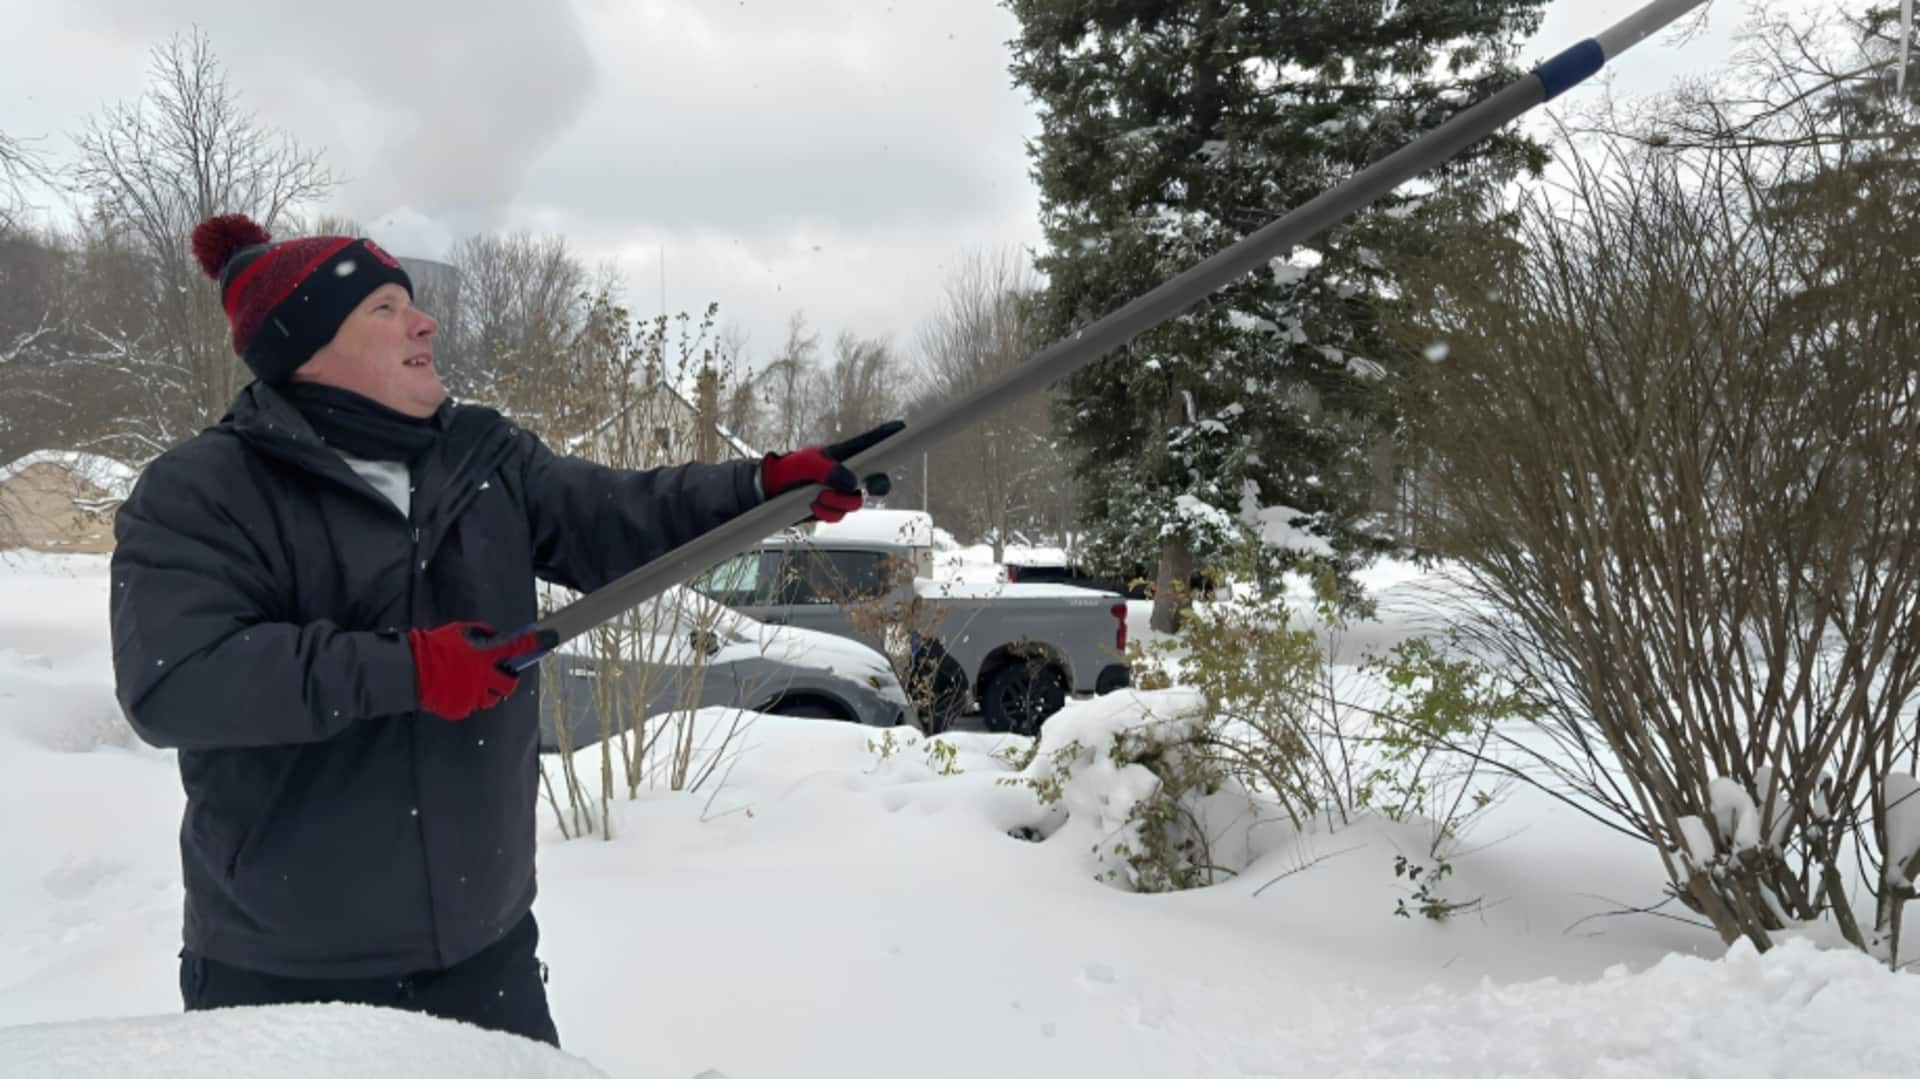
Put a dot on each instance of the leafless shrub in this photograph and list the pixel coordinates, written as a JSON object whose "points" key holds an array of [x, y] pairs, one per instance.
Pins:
{"points": [[1674, 440]]}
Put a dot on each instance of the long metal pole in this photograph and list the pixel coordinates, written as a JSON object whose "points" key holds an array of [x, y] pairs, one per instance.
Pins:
{"points": [[1170, 299]]}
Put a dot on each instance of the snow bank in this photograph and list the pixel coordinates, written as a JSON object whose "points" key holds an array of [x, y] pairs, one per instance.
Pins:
{"points": [[1795, 1011], [972, 565], [56, 676], [289, 1042], [824, 908]]}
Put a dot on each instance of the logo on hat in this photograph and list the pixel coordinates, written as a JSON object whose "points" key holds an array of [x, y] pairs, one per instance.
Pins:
{"points": [[376, 251]]}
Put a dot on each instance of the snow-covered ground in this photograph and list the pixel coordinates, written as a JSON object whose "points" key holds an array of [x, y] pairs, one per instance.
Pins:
{"points": [[841, 908]]}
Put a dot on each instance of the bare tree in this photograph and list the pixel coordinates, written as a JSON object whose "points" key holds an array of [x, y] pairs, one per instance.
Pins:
{"points": [[740, 410], [1673, 447], [522, 300], [787, 386], [1000, 475], [21, 163], [183, 152], [332, 225], [70, 301], [860, 390]]}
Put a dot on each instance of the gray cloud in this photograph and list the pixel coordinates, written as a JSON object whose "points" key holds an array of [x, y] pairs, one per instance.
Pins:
{"points": [[413, 106], [832, 156]]}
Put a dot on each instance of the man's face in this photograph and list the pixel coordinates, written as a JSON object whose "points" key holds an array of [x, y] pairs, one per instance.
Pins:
{"points": [[383, 352]]}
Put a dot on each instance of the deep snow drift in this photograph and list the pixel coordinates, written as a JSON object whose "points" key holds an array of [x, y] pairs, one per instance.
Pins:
{"points": [[847, 903]]}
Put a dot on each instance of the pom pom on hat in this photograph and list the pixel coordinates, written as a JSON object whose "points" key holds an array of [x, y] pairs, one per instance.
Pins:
{"points": [[217, 238]]}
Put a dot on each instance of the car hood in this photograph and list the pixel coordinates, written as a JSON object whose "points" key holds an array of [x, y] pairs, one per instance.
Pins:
{"points": [[817, 650]]}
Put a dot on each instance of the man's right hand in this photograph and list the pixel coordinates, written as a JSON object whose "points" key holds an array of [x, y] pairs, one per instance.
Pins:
{"points": [[460, 669]]}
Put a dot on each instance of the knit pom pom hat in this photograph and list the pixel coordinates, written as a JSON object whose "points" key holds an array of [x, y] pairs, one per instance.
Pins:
{"points": [[286, 300]]}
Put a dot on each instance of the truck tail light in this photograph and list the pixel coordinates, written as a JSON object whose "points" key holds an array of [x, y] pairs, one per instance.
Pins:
{"points": [[1119, 611]]}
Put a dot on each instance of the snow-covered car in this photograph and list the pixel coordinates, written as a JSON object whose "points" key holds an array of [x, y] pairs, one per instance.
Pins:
{"points": [[684, 651]]}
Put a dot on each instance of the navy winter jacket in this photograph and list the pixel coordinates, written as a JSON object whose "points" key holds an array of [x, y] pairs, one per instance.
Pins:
{"points": [[261, 591]]}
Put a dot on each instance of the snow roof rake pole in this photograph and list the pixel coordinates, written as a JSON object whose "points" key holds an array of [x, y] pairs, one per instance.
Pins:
{"points": [[1064, 357]]}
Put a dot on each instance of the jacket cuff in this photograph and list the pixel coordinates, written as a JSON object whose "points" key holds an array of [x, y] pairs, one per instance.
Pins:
{"points": [[757, 494], [391, 684]]}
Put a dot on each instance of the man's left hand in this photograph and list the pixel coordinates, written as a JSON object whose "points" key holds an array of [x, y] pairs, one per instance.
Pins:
{"points": [[780, 472]]}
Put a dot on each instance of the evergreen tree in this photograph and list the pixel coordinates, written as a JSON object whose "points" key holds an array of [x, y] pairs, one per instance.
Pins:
{"points": [[1173, 128]]}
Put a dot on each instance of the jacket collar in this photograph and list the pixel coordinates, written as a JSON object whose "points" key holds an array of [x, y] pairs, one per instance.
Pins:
{"points": [[264, 419]]}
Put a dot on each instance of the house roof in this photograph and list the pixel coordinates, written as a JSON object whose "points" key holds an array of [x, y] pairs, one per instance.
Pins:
{"points": [[739, 447], [113, 478]]}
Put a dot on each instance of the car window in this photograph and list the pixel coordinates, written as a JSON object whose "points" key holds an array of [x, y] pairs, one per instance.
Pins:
{"points": [[808, 575], [844, 577], [793, 580], [854, 573], [739, 581]]}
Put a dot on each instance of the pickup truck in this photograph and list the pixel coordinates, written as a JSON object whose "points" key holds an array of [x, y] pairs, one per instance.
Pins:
{"points": [[1017, 651]]}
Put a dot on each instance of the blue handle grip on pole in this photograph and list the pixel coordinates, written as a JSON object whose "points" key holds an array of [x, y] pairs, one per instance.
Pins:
{"points": [[547, 639]]}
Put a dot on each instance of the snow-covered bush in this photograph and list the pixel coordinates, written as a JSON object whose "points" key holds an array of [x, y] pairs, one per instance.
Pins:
{"points": [[1295, 729], [1242, 721], [1132, 778]]}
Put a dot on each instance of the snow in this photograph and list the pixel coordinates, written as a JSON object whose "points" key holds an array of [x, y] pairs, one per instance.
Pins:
{"points": [[976, 589], [1280, 526], [1779, 818], [1289, 273], [907, 528], [971, 565], [1795, 1011], [832, 905], [1017, 555], [288, 1042], [1202, 514], [1734, 813], [1903, 824], [1698, 841]]}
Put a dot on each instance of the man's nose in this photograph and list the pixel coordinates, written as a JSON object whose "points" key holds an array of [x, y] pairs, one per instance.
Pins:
{"points": [[425, 325]]}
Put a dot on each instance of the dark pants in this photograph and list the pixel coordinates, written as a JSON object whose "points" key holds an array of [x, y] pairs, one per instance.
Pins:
{"points": [[502, 988]]}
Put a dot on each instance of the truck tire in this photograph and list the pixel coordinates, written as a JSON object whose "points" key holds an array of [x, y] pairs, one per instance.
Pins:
{"points": [[938, 687], [1020, 696]]}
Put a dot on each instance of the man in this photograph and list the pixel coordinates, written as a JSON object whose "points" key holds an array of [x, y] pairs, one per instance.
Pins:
{"points": [[303, 598]]}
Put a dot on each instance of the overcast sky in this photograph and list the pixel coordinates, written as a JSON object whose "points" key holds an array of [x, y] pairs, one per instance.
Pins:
{"points": [[831, 156]]}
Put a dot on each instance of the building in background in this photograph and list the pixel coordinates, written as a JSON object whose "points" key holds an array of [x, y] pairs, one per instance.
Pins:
{"points": [[62, 501]]}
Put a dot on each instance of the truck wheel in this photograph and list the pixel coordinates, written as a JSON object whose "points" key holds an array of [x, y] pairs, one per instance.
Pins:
{"points": [[1020, 696], [938, 687]]}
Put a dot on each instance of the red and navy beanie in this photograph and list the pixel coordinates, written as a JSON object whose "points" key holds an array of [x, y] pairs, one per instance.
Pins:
{"points": [[286, 300]]}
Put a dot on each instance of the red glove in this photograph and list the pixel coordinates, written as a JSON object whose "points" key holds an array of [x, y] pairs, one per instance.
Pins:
{"points": [[821, 465], [460, 668]]}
